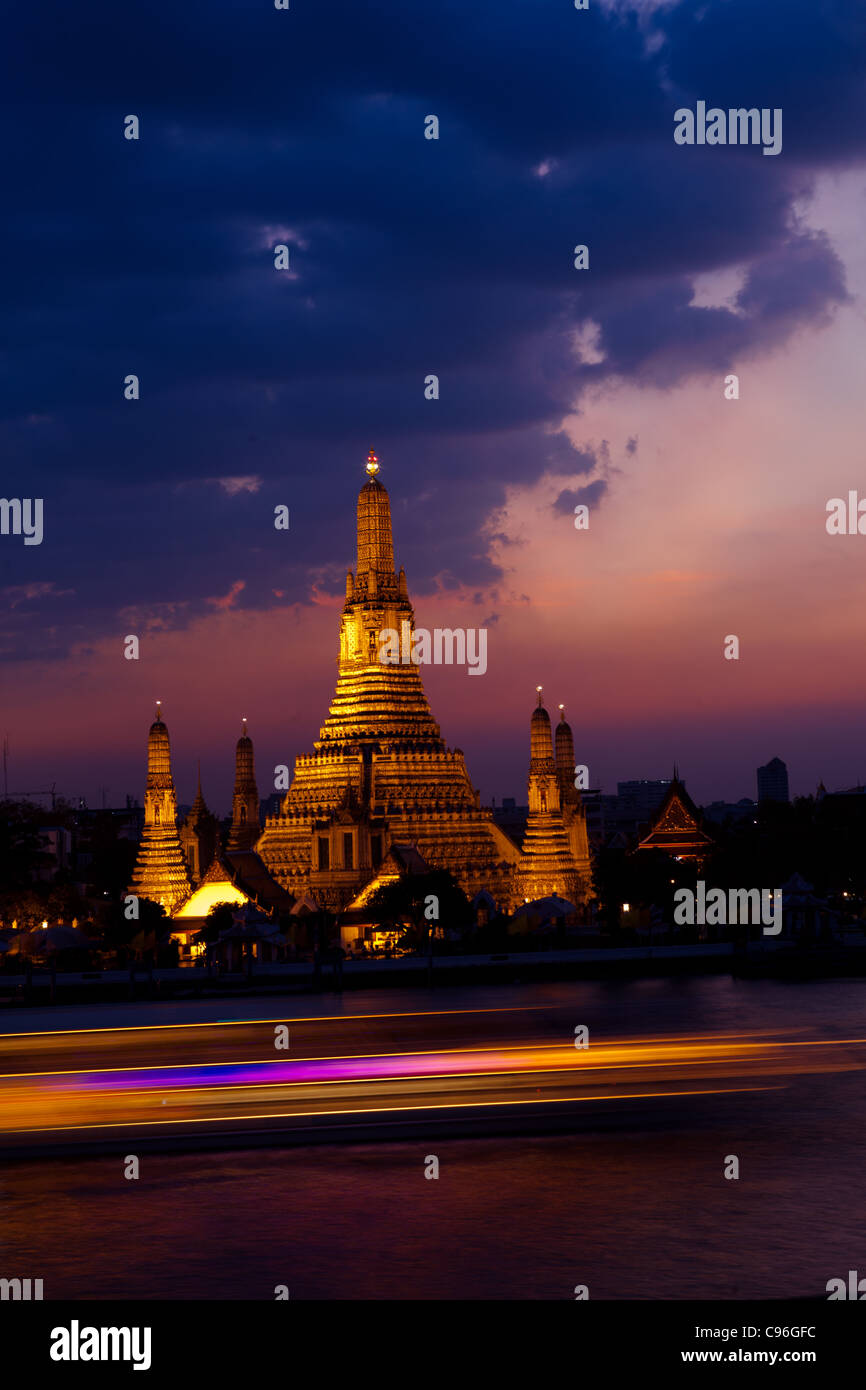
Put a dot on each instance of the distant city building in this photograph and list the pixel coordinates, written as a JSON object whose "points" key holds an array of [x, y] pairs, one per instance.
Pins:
{"points": [[270, 805], [773, 781], [600, 815], [57, 850], [639, 800], [720, 811], [128, 820], [511, 818], [625, 815]]}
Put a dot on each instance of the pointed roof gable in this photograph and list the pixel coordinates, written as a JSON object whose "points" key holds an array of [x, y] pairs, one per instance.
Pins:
{"points": [[238, 878], [676, 826]]}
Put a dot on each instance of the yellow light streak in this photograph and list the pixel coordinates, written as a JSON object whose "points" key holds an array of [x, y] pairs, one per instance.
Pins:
{"points": [[400, 1109]]}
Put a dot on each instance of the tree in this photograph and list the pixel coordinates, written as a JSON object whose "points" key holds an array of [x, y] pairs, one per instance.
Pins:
{"points": [[22, 850], [220, 917], [408, 899], [120, 931]]}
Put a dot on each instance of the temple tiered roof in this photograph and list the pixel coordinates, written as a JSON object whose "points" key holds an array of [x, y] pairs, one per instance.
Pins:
{"points": [[676, 827]]}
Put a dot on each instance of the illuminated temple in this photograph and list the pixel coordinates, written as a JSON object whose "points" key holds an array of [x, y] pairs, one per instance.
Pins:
{"points": [[555, 848], [381, 787], [160, 869]]}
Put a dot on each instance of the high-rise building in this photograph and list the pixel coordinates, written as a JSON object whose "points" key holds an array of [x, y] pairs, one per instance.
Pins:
{"points": [[773, 781], [640, 799]]}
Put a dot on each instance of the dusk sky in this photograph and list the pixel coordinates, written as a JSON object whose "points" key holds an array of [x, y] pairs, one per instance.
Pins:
{"points": [[455, 257]]}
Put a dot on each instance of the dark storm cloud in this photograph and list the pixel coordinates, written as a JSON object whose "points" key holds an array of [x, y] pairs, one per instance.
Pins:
{"points": [[409, 257], [589, 495], [806, 56]]}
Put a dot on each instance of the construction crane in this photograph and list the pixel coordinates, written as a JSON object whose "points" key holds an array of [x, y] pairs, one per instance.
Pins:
{"points": [[46, 791]]}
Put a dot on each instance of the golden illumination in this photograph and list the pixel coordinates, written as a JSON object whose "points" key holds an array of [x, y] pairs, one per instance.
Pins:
{"points": [[380, 776], [160, 868], [207, 896], [450, 1078]]}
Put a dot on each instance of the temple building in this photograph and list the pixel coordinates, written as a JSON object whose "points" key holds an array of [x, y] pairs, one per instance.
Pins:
{"points": [[549, 864], [573, 812], [380, 772], [380, 793], [160, 868], [199, 837], [676, 827], [245, 802]]}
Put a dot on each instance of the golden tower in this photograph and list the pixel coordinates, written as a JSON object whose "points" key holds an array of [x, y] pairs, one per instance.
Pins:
{"points": [[160, 868], [380, 773], [548, 864], [245, 828], [573, 813]]}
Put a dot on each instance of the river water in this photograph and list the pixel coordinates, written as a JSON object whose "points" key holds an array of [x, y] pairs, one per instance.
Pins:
{"points": [[634, 1207]]}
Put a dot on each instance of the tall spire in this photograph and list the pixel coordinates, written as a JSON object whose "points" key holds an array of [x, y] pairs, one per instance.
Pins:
{"points": [[199, 833], [380, 778], [565, 760], [375, 541], [245, 802], [376, 698], [548, 865], [160, 868]]}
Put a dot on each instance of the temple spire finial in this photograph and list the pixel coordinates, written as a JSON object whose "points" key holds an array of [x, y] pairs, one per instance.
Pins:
{"points": [[375, 541]]}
